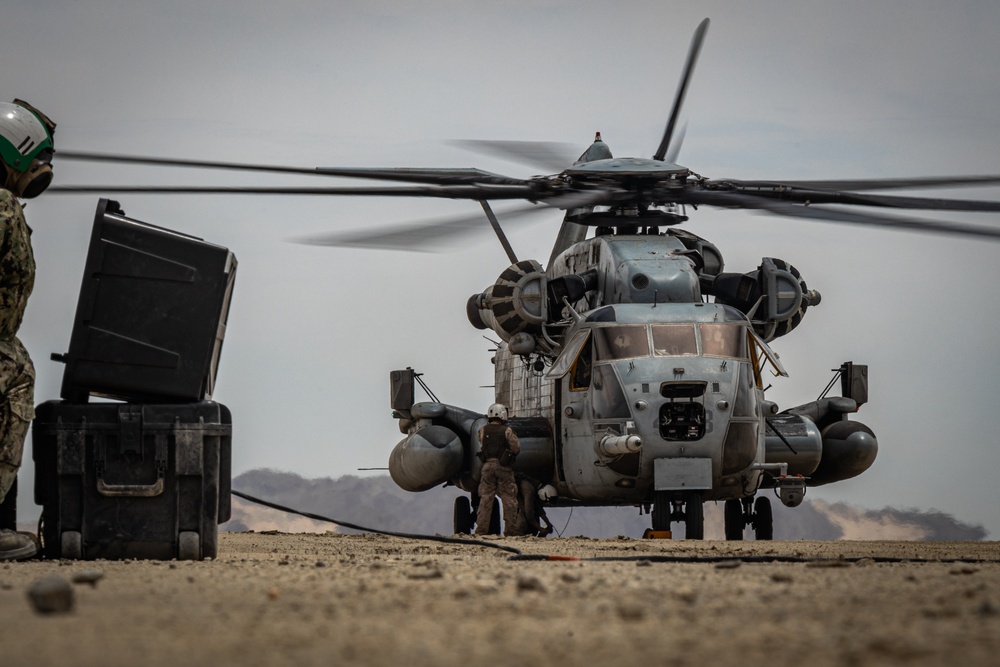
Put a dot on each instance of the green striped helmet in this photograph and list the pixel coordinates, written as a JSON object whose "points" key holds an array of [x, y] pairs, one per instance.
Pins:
{"points": [[22, 136]]}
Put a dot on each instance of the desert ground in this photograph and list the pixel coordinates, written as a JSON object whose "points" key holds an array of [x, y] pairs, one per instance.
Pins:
{"points": [[326, 599]]}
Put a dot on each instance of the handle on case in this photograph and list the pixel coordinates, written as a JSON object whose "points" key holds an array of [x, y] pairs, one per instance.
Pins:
{"points": [[138, 490]]}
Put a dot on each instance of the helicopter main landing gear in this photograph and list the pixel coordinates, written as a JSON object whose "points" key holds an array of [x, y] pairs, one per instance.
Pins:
{"points": [[734, 513], [463, 518], [687, 508], [763, 520], [748, 511]]}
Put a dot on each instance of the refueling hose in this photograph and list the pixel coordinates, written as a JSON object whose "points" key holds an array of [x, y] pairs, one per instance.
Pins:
{"points": [[364, 529], [652, 558]]}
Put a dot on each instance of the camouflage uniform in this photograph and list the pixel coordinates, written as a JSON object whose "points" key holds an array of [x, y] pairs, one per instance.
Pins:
{"points": [[498, 480], [532, 513], [17, 374]]}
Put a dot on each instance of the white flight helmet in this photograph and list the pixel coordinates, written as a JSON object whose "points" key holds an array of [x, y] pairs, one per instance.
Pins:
{"points": [[497, 411], [548, 491], [26, 147]]}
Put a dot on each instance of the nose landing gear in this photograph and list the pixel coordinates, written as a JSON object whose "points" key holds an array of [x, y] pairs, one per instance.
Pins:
{"points": [[687, 508]]}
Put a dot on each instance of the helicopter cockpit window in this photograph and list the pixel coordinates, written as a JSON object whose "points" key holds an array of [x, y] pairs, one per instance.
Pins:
{"points": [[674, 340], [621, 342], [608, 397], [724, 340], [579, 378]]}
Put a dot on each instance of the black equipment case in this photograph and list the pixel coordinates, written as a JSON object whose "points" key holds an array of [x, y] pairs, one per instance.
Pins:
{"points": [[128, 480], [152, 313]]}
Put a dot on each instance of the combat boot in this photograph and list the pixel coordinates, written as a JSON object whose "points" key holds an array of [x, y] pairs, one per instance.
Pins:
{"points": [[16, 546]]}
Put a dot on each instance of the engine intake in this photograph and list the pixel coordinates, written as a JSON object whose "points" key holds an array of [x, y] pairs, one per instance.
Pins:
{"points": [[514, 304], [774, 297]]}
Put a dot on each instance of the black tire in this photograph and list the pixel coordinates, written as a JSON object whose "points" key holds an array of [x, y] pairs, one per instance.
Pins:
{"points": [[694, 517], [734, 520], [763, 519], [495, 518], [661, 510], [462, 517]]}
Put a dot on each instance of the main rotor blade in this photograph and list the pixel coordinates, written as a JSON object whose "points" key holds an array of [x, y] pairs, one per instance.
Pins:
{"points": [[475, 192], [429, 176], [549, 155], [444, 176], [692, 58], [418, 237], [431, 237], [84, 156], [735, 200], [675, 147], [870, 183], [891, 201]]}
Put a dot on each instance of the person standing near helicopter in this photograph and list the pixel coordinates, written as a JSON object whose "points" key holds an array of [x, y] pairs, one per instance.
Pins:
{"points": [[500, 447], [26, 150]]}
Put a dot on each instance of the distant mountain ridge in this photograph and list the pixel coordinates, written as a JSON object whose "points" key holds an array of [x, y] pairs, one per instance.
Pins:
{"points": [[376, 502]]}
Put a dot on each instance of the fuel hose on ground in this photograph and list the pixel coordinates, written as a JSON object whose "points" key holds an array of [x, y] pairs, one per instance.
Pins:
{"points": [[518, 555]]}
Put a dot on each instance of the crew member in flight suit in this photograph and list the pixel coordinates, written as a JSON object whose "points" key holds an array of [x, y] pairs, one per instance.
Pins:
{"points": [[532, 514], [26, 150], [499, 448]]}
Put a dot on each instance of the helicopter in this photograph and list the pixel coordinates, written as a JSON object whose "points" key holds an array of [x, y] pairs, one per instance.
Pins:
{"points": [[633, 363]]}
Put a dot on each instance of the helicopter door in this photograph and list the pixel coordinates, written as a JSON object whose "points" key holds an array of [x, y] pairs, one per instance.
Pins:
{"points": [[565, 361], [571, 373], [761, 354]]}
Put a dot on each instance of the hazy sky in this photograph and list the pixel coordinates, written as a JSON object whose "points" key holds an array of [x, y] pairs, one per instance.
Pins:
{"points": [[782, 90]]}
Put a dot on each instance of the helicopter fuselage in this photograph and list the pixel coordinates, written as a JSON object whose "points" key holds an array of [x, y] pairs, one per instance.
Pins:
{"points": [[640, 384], [648, 371], [624, 384]]}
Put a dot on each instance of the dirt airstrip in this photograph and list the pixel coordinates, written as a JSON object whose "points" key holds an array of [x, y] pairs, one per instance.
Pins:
{"points": [[310, 599]]}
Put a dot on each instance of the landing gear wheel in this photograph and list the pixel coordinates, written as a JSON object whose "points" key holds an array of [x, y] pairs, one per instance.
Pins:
{"points": [[661, 510], [463, 517], [734, 519], [495, 518], [763, 519], [694, 517]]}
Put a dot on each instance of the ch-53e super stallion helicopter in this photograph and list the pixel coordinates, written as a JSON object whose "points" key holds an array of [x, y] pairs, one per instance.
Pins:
{"points": [[632, 363]]}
